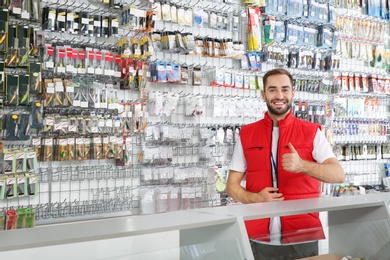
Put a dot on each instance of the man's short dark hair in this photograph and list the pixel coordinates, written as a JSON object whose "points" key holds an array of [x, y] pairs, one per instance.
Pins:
{"points": [[277, 71]]}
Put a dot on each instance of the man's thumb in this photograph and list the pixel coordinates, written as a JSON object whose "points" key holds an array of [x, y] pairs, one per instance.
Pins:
{"points": [[292, 149]]}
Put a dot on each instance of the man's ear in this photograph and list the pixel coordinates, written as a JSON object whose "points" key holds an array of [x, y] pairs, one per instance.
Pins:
{"points": [[263, 94]]}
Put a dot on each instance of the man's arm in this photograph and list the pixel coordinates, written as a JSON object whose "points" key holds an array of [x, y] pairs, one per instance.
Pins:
{"points": [[237, 192], [329, 171]]}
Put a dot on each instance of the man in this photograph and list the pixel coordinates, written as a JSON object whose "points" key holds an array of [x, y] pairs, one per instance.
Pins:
{"points": [[282, 158]]}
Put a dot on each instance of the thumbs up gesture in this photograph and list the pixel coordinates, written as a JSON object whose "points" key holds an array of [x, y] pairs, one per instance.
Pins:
{"points": [[292, 162]]}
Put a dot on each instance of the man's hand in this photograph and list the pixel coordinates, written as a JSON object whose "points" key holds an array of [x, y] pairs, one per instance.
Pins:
{"points": [[269, 194], [292, 162], [236, 191]]}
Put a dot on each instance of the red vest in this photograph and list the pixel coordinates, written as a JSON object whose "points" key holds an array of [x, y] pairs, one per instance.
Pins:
{"points": [[256, 139]]}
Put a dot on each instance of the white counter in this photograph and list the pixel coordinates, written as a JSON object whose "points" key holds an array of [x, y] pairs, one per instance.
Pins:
{"points": [[176, 234]]}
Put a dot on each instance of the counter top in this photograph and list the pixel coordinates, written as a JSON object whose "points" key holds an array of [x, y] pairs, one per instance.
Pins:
{"points": [[80, 231], [292, 207]]}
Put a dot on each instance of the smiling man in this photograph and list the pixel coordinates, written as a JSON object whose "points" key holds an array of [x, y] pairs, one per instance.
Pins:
{"points": [[282, 158]]}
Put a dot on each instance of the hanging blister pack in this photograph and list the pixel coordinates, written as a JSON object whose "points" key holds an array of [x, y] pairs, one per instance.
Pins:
{"points": [[112, 98], [9, 162], [109, 153], [291, 33], [48, 145], [83, 22], [48, 92], [13, 45], [87, 153], [35, 10], [97, 26], [113, 26], [96, 147], [12, 98], [32, 189], [2, 79], [21, 185], [58, 93], [105, 147], [327, 37], [23, 90], [37, 146], [79, 142], [310, 36], [279, 31], [254, 29], [91, 23], [88, 123], [118, 152], [68, 92], [127, 151], [71, 22], [78, 57], [49, 18], [36, 115], [294, 8], [271, 7], [10, 192], [24, 53], [24, 125], [98, 62], [61, 20], [38, 47], [49, 57], [68, 60], [60, 59]]}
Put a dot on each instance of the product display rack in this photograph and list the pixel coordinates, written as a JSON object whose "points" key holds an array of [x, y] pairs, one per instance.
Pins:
{"points": [[82, 130], [137, 113]]}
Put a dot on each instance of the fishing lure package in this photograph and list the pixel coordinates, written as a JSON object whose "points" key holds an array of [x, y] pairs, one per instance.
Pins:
{"points": [[36, 144], [24, 126], [61, 144], [48, 147], [36, 115], [58, 93], [71, 148], [60, 59], [96, 147], [69, 93], [49, 18], [35, 10], [12, 55], [12, 90], [24, 53], [48, 91], [3, 31], [24, 90]]}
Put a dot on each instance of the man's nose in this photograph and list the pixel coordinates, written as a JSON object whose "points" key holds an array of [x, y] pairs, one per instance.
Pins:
{"points": [[279, 93]]}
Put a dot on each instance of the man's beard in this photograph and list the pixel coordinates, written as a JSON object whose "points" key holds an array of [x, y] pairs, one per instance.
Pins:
{"points": [[278, 112]]}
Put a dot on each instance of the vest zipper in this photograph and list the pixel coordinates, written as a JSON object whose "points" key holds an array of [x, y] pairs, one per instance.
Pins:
{"points": [[277, 182], [273, 160], [276, 167]]}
